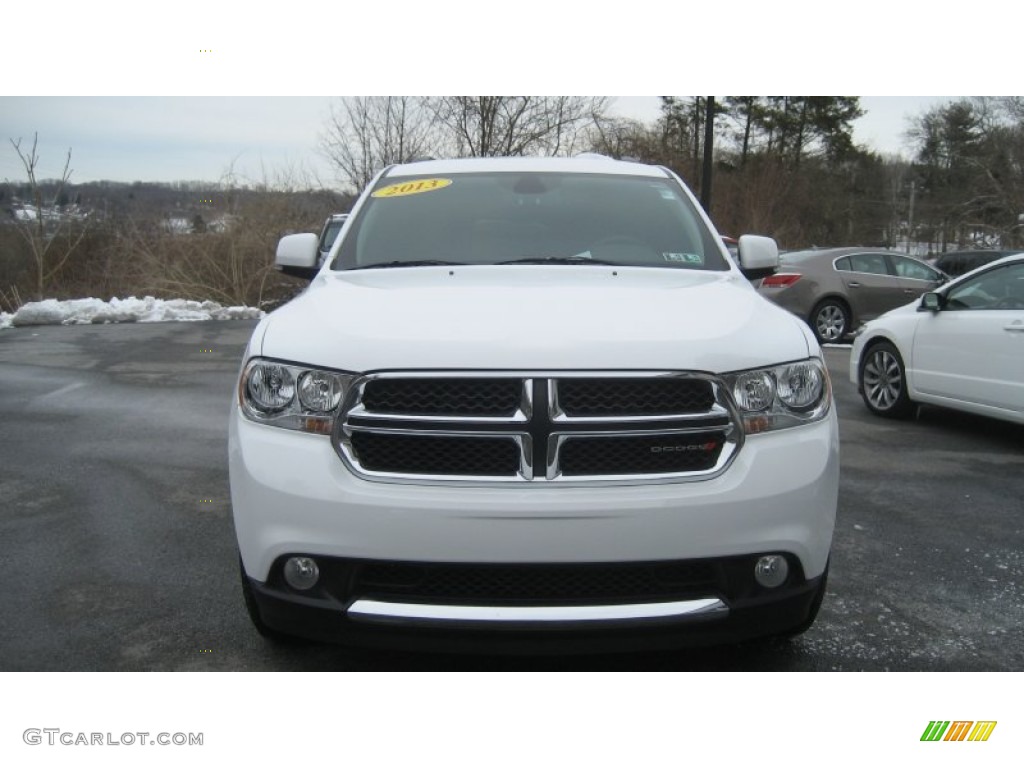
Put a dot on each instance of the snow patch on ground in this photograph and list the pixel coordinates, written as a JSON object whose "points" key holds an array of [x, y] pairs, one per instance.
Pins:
{"points": [[130, 310]]}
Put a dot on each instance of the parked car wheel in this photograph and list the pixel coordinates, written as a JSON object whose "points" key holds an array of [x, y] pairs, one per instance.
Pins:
{"points": [[883, 382], [830, 321]]}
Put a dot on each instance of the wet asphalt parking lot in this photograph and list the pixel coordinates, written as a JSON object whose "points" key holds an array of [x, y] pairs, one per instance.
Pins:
{"points": [[117, 550]]}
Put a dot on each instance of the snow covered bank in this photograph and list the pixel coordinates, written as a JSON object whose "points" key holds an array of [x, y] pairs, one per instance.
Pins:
{"points": [[130, 310]]}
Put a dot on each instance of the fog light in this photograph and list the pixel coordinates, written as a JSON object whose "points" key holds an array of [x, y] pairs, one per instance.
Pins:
{"points": [[771, 571], [301, 572]]}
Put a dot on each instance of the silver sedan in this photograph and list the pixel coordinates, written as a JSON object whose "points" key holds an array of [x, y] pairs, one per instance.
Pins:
{"points": [[837, 289]]}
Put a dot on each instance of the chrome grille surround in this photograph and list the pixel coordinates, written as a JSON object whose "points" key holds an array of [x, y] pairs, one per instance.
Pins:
{"points": [[540, 429]]}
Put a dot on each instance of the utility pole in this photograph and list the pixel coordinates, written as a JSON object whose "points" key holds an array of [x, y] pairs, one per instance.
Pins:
{"points": [[709, 138], [910, 215]]}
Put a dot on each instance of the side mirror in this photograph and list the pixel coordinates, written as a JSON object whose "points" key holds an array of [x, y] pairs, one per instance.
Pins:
{"points": [[296, 255], [758, 256], [931, 302]]}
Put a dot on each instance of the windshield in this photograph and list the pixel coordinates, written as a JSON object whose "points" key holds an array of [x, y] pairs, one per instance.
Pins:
{"points": [[330, 234], [530, 218]]}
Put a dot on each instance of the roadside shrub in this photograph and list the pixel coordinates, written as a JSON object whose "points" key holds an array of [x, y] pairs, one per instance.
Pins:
{"points": [[231, 263]]}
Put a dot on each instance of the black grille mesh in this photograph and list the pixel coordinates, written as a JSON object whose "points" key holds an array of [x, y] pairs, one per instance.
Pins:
{"points": [[640, 455], [634, 396], [523, 583], [444, 397], [436, 455]]}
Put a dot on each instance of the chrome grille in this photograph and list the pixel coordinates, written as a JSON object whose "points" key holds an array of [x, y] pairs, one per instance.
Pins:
{"points": [[542, 427]]}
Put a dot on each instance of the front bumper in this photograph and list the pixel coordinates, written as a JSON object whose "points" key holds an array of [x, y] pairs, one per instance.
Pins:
{"points": [[291, 494], [344, 608], [856, 353]]}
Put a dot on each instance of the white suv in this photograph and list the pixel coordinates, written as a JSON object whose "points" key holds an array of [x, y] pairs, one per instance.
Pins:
{"points": [[532, 404]]}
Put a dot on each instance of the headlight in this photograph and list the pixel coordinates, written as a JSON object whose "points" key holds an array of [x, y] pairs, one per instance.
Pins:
{"points": [[292, 396], [800, 386], [270, 387], [781, 396], [320, 391], [754, 391]]}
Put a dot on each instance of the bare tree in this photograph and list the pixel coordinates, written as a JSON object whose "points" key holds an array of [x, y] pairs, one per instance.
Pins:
{"points": [[485, 126], [366, 134], [622, 138], [1013, 107], [50, 249]]}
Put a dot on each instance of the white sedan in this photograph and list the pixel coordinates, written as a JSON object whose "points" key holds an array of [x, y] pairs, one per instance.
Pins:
{"points": [[961, 347]]}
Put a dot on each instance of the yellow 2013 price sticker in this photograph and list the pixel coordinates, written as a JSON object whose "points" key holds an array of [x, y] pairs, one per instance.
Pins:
{"points": [[411, 187]]}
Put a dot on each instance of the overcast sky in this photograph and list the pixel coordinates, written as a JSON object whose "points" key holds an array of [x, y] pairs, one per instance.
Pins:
{"points": [[115, 52], [165, 138]]}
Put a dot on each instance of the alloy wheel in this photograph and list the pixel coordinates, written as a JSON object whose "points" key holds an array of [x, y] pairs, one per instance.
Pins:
{"points": [[883, 379], [830, 322]]}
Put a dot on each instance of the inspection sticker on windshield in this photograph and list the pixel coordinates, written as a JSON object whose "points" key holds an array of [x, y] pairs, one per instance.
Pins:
{"points": [[684, 258], [411, 187]]}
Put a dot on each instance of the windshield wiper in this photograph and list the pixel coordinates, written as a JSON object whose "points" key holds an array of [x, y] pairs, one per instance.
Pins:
{"points": [[420, 263], [560, 260]]}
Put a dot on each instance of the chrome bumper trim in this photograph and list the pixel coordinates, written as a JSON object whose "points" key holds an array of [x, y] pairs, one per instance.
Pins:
{"points": [[378, 610]]}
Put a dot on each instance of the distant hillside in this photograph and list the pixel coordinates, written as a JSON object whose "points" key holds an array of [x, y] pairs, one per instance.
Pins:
{"points": [[151, 202]]}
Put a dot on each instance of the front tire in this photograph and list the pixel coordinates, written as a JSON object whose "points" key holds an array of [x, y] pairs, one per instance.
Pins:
{"points": [[830, 321], [883, 382]]}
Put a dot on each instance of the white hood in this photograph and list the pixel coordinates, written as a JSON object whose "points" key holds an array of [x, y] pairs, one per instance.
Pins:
{"points": [[542, 317]]}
